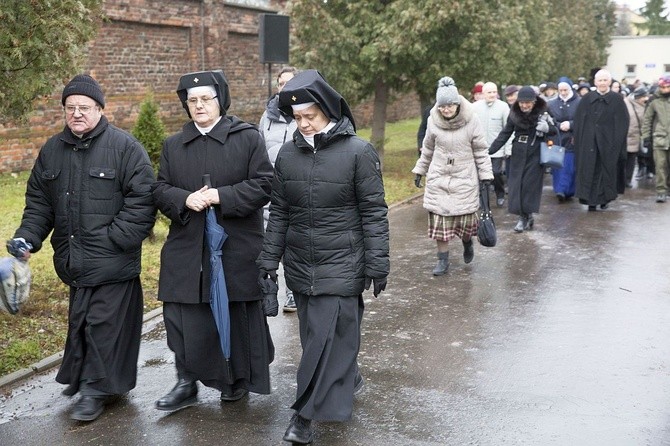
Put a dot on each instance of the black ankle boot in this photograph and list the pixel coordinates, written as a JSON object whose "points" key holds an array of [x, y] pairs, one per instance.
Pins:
{"points": [[530, 221], [442, 264], [183, 394], [521, 224], [468, 251]]}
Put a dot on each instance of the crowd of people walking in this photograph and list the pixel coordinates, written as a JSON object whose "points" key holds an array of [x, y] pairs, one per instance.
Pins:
{"points": [[94, 190], [605, 131]]}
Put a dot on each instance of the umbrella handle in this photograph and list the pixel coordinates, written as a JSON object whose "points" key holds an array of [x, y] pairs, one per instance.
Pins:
{"points": [[207, 180]]}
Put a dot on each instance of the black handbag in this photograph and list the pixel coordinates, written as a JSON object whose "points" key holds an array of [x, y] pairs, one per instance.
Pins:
{"points": [[486, 231]]}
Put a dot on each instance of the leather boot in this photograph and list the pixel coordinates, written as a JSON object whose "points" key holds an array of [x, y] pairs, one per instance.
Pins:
{"points": [[183, 394], [530, 221], [468, 251], [521, 224], [442, 264]]}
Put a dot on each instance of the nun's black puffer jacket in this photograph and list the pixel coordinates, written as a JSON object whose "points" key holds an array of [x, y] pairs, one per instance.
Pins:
{"points": [[328, 217]]}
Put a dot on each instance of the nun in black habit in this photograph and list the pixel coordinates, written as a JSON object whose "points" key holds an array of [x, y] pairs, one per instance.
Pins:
{"points": [[232, 152], [328, 220]]}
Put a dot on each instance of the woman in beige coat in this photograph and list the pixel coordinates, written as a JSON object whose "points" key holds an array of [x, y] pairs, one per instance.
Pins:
{"points": [[454, 159]]}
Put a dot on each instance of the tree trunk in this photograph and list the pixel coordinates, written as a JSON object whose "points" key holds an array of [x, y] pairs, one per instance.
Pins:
{"points": [[379, 117]]}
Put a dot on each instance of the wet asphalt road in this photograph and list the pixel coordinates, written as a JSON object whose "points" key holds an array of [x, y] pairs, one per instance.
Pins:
{"points": [[557, 336]]}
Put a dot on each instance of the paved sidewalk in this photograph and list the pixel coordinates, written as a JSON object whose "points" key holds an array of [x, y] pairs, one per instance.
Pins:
{"points": [[557, 336]]}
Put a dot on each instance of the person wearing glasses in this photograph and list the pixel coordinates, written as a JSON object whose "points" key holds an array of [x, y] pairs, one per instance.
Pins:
{"points": [[90, 188], [232, 152], [277, 127]]}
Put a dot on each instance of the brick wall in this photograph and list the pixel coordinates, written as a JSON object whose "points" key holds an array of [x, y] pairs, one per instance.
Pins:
{"points": [[147, 45]]}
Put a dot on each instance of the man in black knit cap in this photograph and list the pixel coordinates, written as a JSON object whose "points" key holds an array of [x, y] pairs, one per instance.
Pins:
{"points": [[91, 186]]}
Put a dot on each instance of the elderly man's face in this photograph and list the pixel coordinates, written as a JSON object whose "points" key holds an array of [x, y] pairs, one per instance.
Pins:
{"points": [[82, 113], [602, 82], [490, 93]]}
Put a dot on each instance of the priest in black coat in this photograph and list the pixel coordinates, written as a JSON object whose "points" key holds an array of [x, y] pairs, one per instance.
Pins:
{"points": [[601, 126]]}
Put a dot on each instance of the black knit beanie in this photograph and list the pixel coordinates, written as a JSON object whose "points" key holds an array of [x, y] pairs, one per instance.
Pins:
{"points": [[526, 94], [85, 85]]}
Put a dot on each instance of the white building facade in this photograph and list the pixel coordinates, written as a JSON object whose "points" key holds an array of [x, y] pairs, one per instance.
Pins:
{"points": [[639, 57]]}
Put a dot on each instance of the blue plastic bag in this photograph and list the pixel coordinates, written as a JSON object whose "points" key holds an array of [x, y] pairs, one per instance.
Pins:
{"points": [[15, 277]]}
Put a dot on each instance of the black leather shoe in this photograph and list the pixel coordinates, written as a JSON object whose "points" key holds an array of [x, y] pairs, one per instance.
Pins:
{"points": [[299, 430], [183, 394], [88, 408], [234, 396]]}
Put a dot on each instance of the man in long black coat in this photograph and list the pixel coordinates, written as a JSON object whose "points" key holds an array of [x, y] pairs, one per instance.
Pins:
{"points": [[91, 185], [601, 127]]}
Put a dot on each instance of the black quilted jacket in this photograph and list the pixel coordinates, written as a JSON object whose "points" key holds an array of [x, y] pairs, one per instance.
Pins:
{"points": [[95, 194], [328, 217]]}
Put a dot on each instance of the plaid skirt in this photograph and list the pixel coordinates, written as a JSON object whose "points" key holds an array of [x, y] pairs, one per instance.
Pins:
{"points": [[443, 228]]}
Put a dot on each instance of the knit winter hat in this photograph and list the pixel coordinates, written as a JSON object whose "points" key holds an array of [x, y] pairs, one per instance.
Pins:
{"points": [[526, 94], [664, 81], [85, 85], [447, 93]]}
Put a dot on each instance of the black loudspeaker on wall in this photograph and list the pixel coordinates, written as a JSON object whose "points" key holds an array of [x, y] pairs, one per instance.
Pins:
{"points": [[273, 36]]}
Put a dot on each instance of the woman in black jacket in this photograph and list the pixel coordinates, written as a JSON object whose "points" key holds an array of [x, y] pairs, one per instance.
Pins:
{"points": [[328, 220], [530, 123]]}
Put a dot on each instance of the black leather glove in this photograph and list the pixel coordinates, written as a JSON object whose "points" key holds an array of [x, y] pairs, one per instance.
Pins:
{"points": [[267, 280], [379, 285], [264, 274], [417, 180], [18, 247]]}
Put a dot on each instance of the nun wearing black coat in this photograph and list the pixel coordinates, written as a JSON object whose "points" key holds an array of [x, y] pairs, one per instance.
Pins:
{"points": [[328, 220], [232, 152]]}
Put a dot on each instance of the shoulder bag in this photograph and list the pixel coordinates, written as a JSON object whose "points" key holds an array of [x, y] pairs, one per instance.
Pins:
{"points": [[552, 155]]}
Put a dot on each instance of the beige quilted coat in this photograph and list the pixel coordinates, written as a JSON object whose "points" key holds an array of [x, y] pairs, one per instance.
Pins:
{"points": [[454, 159]]}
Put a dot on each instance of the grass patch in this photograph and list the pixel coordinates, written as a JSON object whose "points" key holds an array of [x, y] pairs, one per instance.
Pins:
{"points": [[40, 328]]}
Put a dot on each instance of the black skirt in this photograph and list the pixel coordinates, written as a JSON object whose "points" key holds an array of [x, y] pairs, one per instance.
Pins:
{"points": [[330, 335], [194, 339], [103, 339]]}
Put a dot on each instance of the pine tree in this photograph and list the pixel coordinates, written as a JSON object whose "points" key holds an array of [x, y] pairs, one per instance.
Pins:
{"points": [[658, 23], [150, 130]]}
